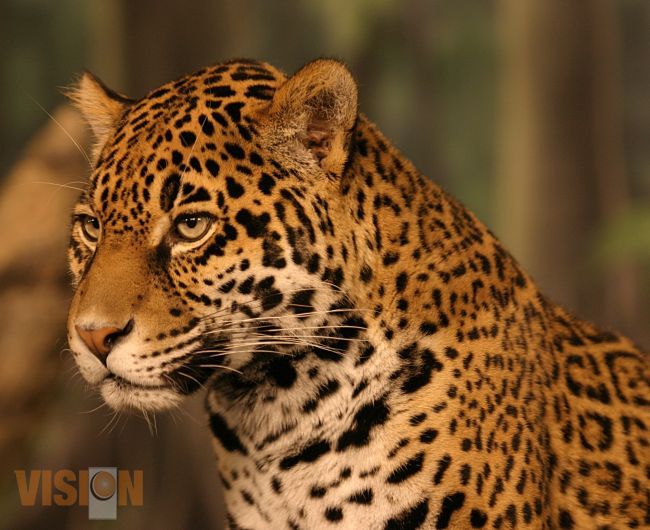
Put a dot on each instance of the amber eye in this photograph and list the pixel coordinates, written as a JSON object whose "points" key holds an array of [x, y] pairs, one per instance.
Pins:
{"points": [[90, 228], [193, 227]]}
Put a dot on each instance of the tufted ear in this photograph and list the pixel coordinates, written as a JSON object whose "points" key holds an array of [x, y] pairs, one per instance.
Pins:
{"points": [[100, 106], [316, 111]]}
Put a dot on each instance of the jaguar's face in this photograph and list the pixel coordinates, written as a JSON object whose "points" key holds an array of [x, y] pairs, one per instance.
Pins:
{"points": [[197, 244]]}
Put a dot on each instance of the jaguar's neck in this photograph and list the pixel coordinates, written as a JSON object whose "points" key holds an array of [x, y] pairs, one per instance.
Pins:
{"points": [[415, 248]]}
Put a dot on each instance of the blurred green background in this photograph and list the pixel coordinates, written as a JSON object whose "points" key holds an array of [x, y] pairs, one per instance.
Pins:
{"points": [[534, 113]]}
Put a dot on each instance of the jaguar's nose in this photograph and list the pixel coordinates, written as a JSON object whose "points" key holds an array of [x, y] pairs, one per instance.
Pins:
{"points": [[100, 341]]}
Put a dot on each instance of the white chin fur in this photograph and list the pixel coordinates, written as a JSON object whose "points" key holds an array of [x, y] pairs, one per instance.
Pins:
{"points": [[120, 396]]}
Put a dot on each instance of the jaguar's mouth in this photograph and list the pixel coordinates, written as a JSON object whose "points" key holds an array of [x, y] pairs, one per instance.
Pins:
{"points": [[187, 374], [125, 384]]}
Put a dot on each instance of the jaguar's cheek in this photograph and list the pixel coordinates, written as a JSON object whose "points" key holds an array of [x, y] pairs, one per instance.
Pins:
{"points": [[160, 257]]}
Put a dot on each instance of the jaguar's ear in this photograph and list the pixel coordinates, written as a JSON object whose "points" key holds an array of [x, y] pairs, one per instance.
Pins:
{"points": [[315, 111], [100, 106]]}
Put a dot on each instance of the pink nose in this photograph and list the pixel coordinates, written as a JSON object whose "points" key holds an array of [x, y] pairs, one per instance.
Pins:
{"points": [[101, 341]]}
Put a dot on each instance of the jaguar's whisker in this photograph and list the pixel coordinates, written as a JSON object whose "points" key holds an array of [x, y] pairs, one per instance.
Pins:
{"points": [[218, 354], [98, 407], [229, 368], [108, 428], [65, 131], [300, 338], [274, 329], [155, 422], [302, 315], [290, 343], [146, 417], [66, 186], [190, 377]]}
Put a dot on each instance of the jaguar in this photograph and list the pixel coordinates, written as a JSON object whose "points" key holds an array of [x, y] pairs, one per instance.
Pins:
{"points": [[372, 355]]}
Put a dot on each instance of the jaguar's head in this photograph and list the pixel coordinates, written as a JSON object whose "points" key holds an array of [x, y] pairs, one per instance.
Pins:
{"points": [[201, 240]]}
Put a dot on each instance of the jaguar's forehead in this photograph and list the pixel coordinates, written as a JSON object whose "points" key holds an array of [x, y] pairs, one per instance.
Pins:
{"points": [[195, 126]]}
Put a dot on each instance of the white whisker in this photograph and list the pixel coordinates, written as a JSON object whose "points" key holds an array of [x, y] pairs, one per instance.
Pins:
{"points": [[108, 428], [66, 186], [253, 330], [285, 341], [146, 417], [230, 368], [100, 406], [81, 150], [301, 315], [218, 353]]}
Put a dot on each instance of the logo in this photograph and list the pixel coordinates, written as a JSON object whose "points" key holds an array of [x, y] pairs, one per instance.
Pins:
{"points": [[102, 489]]}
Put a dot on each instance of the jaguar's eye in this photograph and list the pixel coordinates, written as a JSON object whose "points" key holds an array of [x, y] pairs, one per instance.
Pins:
{"points": [[90, 228], [193, 227]]}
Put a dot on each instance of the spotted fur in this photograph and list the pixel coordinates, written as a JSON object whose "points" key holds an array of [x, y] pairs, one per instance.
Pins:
{"points": [[374, 357]]}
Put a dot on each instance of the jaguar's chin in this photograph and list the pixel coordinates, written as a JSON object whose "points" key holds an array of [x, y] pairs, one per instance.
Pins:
{"points": [[121, 394]]}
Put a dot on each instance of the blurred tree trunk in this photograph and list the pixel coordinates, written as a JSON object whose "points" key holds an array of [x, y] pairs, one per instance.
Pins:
{"points": [[621, 292], [561, 130], [105, 19]]}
